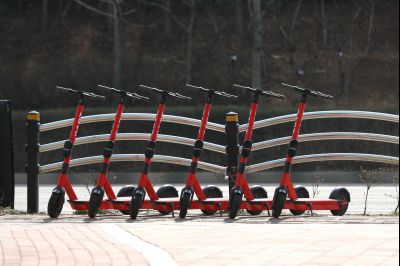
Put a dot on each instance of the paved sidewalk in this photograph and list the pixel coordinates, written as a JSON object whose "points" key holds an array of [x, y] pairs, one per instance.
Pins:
{"points": [[114, 240]]}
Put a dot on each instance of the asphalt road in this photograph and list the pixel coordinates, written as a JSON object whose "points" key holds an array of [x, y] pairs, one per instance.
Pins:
{"points": [[378, 201]]}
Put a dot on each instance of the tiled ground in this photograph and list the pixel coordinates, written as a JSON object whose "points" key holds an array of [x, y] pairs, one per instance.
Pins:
{"points": [[114, 240]]}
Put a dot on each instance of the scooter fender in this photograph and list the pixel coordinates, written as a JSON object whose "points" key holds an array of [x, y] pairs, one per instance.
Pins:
{"points": [[58, 191], [187, 191], [98, 191], [140, 192], [237, 190]]}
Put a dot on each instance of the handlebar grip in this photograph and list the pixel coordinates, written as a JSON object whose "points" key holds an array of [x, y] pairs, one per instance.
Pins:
{"points": [[212, 91], [81, 93], [262, 92]]}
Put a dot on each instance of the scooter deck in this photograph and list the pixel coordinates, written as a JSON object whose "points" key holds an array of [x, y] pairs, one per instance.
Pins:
{"points": [[302, 204]]}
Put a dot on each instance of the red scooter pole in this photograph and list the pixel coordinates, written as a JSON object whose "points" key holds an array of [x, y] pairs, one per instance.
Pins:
{"points": [[145, 185], [192, 184], [242, 186], [57, 198], [103, 184], [286, 187]]}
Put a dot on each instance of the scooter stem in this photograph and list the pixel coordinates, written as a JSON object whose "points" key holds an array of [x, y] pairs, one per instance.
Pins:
{"points": [[286, 180]]}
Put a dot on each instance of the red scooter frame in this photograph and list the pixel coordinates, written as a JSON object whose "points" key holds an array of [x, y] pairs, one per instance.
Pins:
{"points": [[299, 200], [193, 186], [145, 186], [57, 199], [103, 184], [241, 185]]}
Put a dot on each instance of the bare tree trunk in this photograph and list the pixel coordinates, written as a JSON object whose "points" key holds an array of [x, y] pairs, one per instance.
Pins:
{"points": [[45, 14], [167, 18], [189, 55], [324, 30], [371, 26], [257, 43], [239, 17], [366, 201], [118, 45]]}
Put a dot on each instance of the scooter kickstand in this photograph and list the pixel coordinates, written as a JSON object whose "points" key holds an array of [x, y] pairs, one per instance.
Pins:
{"points": [[311, 210], [173, 212], [269, 213]]}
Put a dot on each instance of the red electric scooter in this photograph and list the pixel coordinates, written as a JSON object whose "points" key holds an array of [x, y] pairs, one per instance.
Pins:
{"points": [[57, 198], [242, 187], [103, 184], [296, 199], [192, 184], [145, 186]]}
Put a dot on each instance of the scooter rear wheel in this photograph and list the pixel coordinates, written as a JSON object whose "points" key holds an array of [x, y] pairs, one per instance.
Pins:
{"points": [[126, 192], [56, 202], [278, 202], [235, 202], [302, 193], [166, 192], [258, 193], [212, 192], [341, 194], [96, 197], [184, 205]]}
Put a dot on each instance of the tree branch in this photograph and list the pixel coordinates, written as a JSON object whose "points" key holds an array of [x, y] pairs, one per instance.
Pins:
{"points": [[91, 8]]}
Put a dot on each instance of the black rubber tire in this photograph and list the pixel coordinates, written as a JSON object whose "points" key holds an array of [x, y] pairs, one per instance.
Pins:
{"points": [[126, 191], [236, 201], [56, 204], [166, 192], [258, 193], [136, 204], [212, 192], [184, 205], [302, 193], [278, 203], [95, 202], [340, 194]]}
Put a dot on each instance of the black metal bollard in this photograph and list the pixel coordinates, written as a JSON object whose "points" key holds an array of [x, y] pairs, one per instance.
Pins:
{"points": [[232, 147], [7, 179], [32, 165]]}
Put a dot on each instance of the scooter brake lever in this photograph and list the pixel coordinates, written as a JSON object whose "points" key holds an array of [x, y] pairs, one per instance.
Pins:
{"points": [[126, 93], [83, 93], [310, 92]]}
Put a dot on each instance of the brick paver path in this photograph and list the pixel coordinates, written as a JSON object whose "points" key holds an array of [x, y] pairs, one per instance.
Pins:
{"points": [[114, 240]]}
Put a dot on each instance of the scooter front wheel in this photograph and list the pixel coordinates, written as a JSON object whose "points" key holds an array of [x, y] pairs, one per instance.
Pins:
{"points": [[235, 202], [136, 202], [96, 197], [56, 202], [279, 201], [184, 205]]}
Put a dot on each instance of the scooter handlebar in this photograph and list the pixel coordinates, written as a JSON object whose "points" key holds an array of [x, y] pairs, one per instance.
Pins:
{"points": [[82, 93], [168, 93], [262, 92], [214, 92], [126, 93], [310, 92]]}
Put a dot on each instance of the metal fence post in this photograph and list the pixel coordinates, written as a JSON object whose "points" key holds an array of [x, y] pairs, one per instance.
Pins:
{"points": [[32, 166], [232, 147], [7, 180]]}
